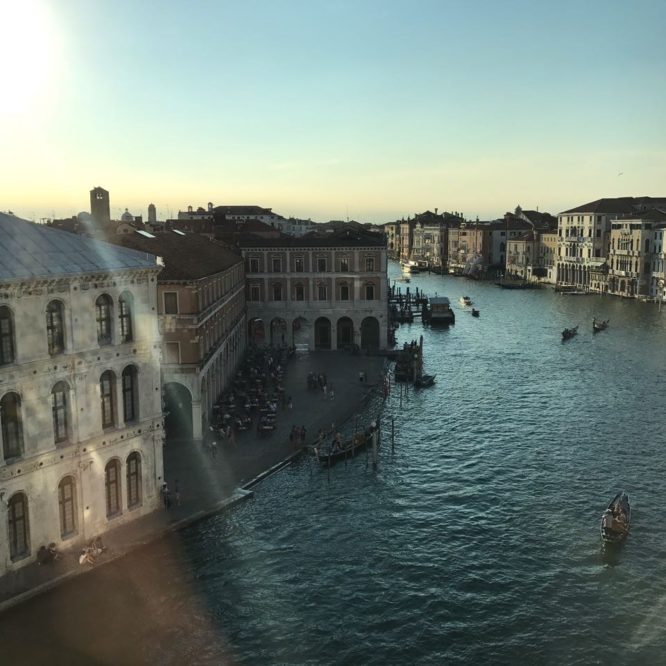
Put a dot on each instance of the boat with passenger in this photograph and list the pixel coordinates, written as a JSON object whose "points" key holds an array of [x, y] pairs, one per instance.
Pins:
{"points": [[475, 312], [466, 300], [616, 519], [424, 381], [569, 333], [599, 325], [328, 453]]}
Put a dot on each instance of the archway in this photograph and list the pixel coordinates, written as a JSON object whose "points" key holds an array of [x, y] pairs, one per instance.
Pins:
{"points": [[256, 332], [278, 332], [370, 334], [300, 333], [178, 411], [322, 333], [345, 332]]}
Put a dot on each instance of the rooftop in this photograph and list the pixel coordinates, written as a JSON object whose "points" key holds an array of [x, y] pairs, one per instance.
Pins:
{"points": [[29, 250]]}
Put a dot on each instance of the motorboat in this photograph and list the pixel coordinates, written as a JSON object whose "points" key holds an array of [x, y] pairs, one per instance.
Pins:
{"points": [[439, 311], [466, 300], [424, 381], [616, 519]]}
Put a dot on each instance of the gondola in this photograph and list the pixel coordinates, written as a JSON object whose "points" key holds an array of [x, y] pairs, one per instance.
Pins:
{"points": [[616, 519], [599, 325], [329, 454], [569, 333]]}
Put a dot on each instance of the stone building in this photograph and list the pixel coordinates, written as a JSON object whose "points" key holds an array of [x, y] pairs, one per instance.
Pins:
{"points": [[320, 291], [201, 307], [80, 405]]}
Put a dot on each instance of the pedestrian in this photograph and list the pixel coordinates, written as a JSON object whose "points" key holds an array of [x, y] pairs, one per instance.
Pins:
{"points": [[302, 435], [290, 403], [324, 389], [176, 493], [232, 437], [213, 449], [165, 496], [331, 392]]}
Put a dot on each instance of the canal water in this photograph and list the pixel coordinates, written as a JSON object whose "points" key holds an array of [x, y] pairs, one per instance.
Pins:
{"points": [[476, 540]]}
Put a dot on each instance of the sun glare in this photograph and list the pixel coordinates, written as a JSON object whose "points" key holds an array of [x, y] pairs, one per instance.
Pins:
{"points": [[28, 54]]}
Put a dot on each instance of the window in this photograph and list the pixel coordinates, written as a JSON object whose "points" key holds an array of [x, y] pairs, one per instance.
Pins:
{"points": [[321, 264], [103, 307], [299, 264], [277, 265], [125, 314], [369, 292], [133, 479], [344, 265], [19, 535], [12, 429], [369, 264], [55, 330], [170, 302], [321, 291], [344, 292], [254, 265], [6, 336], [112, 487], [172, 352], [107, 387], [130, 394], [277, 292], [67, 505], [299, 292], [255, 292], [59, 410]]}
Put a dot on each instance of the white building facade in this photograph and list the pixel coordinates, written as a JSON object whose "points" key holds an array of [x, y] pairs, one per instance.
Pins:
{"points": [[80, 401]]}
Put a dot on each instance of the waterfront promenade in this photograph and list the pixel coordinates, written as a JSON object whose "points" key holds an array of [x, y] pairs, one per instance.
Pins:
{"points": [[207, 483]]}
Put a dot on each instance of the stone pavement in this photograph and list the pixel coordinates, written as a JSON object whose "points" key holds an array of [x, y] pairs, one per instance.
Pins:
{"points": [[208, 483]]}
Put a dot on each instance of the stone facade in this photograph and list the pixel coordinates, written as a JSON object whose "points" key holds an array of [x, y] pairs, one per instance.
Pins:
{"points": [[318, 292], [80, 401]]}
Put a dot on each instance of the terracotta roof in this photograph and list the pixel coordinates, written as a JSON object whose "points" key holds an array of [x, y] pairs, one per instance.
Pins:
{"points": [[186, 256], [350, 236]]}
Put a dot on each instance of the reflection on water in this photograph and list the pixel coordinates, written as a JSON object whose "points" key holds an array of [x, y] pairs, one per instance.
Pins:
{"points": [[476, 541]]}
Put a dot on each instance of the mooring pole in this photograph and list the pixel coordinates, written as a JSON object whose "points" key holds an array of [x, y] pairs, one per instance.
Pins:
{"points": [[374, 449], [392, 434]]}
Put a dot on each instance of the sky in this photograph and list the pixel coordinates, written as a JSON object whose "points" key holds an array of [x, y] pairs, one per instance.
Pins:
{"points": [[370, 110]]}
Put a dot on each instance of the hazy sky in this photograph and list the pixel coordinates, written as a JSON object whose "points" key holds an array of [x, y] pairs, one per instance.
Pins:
{"points": [[371, 109]]}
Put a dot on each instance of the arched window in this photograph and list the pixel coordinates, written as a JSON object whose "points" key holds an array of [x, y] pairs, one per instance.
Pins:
{"points": [[103, 317], [55, 327], [12, 427], [299, 292], [19, 527], [344, 291], [60, 412], [125, 314], [134, 479], [6, 336], [107, 390], [67, 505], [321, 291], [112, 487], [130, 394], [369, 292]]}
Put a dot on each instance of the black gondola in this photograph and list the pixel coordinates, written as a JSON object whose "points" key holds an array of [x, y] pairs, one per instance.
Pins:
{"points": [[599, 325], [616, 519], [569, 333], [329, 454]]}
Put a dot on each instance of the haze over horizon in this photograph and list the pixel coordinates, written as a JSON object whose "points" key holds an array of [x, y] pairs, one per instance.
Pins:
{"points": [[368, 110]]}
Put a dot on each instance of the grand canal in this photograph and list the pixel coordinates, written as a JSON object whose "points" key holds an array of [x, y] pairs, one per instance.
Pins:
{"points": [[476, 540]]}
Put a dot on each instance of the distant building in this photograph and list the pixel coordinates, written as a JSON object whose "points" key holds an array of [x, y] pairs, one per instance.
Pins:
{"points": [[320, 291], [80, 409], [584, 238], [152, 214], [100, 206]]}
